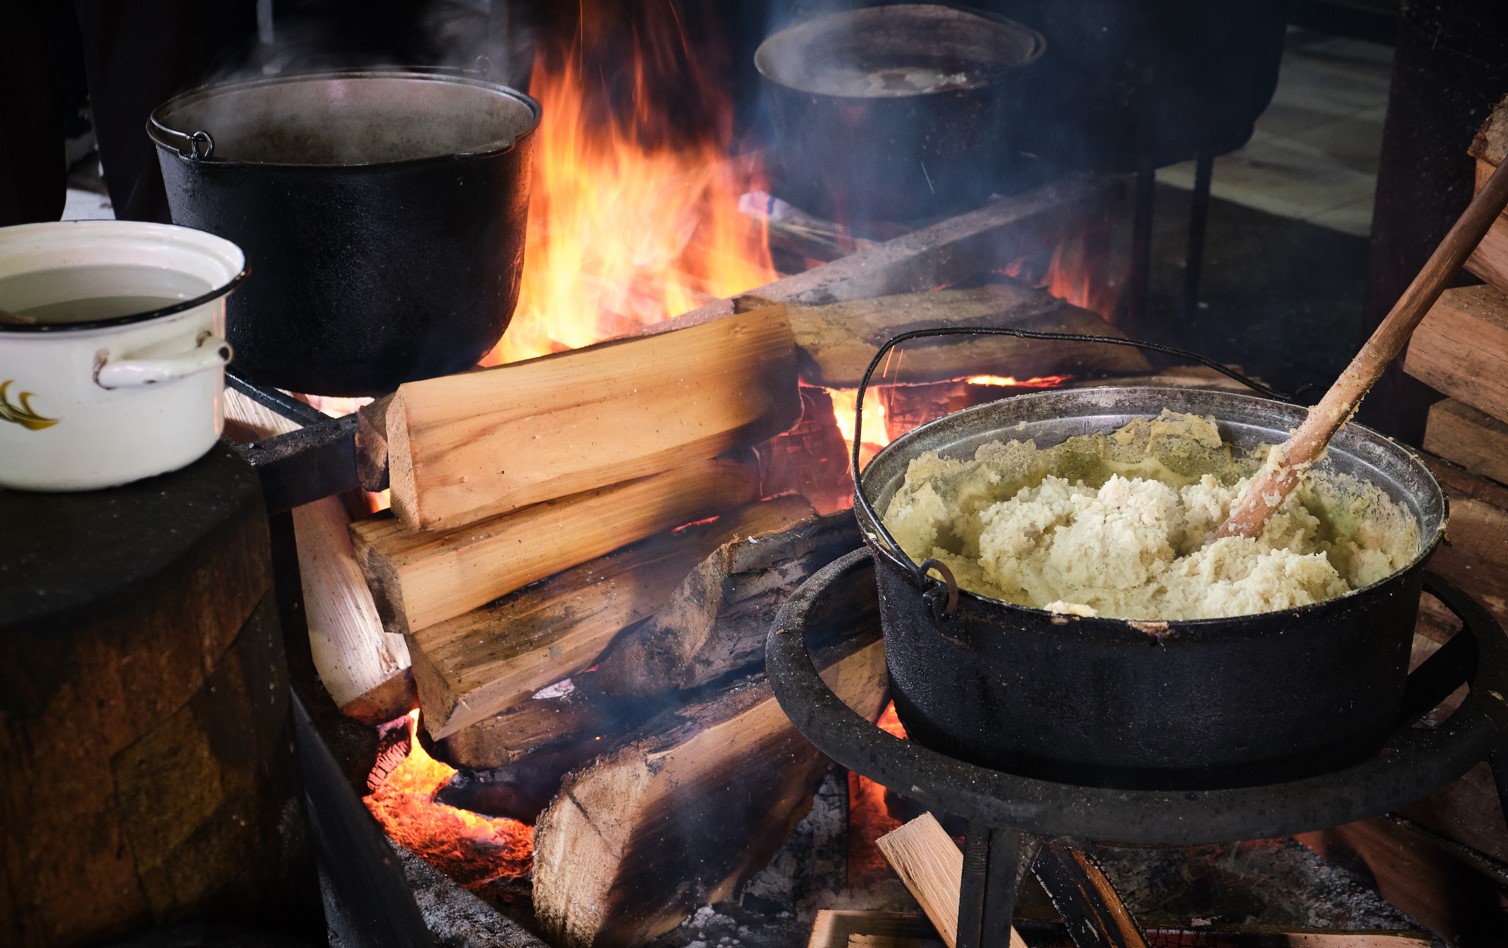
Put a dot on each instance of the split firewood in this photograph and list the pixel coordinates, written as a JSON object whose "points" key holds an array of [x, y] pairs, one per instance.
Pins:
{"points": [[681, 816], [363, 668], [1085, 898], [527, 751], [1461, 348], [475, 445], [847, 928], [1473, 439], [931, 865], [838, 340], [371, 444], [419, 578], [716, 622], [1490, 148], [483, 661], [559, 715], [1006, 229]]}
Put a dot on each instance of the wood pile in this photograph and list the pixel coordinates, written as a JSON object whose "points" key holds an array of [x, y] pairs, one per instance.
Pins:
{"points": [[1461, 347]]}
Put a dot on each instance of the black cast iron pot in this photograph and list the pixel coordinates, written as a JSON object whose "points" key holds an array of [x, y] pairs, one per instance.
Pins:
{"points": [[1112, 702], [896, 112], [382, 214]]}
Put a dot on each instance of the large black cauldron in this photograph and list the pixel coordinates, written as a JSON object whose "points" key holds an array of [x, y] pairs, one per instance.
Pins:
{"points": [[382, 215], [1111, 702]]}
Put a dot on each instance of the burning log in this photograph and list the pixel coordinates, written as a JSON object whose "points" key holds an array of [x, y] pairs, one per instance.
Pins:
{"points": [[470, 667], [419, 578], [838, 340], [467, 447], [363, 668], [683, 814], [715, 625], [949, 252]]}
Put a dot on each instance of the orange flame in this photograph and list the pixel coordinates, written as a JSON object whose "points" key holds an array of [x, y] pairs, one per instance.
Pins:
{"points": [[628, 227], [477, 851]]}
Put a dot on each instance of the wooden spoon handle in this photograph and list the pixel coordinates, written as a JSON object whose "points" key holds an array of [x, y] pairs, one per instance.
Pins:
{"points": [[1276, 481]]}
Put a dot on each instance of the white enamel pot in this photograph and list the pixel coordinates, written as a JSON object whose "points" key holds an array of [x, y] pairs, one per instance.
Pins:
{"points": [[112, 364]]}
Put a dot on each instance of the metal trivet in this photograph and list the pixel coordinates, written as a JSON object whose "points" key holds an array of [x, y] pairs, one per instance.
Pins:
{"points": [[1008, 814]]}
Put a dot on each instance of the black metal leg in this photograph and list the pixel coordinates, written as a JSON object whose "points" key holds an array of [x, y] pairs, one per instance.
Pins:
{"points": [[1204, 167], [994, 861], [1141, 250]]}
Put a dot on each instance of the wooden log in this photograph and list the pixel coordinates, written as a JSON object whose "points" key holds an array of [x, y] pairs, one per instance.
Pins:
{"points": [[1091, 908], [471, 446], [470, 667], [715, 623], [1473, 439], [1461, 348], [683, 815], [149, 772], [848, 928], [363, 668], [838, 340], [371, 444], [931, 865], [419, 578], [561, 715], [946, 253], [1490, 148]]}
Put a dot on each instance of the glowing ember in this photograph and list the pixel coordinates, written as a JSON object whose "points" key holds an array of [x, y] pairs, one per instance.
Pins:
{"points": [[844, 410], [627, 228], [480, 853], [1036, 381]]}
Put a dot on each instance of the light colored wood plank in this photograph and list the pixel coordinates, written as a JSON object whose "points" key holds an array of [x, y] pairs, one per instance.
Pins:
{"points": [[1473, 439], [493, 658], [466, 447], [931, 865], [1461, 348], [419, 578]]}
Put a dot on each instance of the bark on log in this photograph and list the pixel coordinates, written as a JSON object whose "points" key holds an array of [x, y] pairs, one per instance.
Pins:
{"points": [[477, 664], [467, 447], [419, 578], [680, 817], [715, 624]]}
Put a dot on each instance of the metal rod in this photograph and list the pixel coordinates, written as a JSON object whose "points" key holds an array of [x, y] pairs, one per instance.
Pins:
{"points": [[1199, 212], [1141, 248]]}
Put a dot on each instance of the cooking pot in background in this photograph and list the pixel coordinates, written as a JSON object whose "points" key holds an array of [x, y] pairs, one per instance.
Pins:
{"points": [[384, 214], [896, 112], [1151, 705], [115, 370]]}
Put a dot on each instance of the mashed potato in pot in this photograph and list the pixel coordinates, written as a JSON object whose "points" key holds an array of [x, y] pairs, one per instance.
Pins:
{"points": [[1119, 525]]}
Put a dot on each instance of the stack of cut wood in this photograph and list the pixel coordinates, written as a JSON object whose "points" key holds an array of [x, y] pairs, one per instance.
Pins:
{"points": [[1461, 347]]}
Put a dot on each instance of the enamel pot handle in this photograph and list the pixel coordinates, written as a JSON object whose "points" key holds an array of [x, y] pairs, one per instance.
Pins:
{"points": [[211, 352]]}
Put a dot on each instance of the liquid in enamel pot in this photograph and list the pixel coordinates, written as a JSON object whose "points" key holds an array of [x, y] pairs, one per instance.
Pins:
{"points": [[83, 294]]}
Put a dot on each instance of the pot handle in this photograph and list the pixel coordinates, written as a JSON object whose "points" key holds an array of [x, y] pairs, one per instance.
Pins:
{"points": [[209, 352], [942, 594]]}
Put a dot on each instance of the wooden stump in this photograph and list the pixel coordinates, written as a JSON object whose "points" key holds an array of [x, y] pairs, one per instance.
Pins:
{"points": [[143, 709]]}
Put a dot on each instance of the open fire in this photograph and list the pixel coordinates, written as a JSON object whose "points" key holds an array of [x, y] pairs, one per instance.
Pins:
{"points": [[629, 226]]}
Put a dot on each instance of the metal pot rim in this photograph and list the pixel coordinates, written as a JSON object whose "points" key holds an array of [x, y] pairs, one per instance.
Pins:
{"points": [[174, 140], [765, 53]]}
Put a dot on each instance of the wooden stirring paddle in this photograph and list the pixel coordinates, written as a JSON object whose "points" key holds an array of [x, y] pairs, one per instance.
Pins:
{"points": [[1276, 481]]}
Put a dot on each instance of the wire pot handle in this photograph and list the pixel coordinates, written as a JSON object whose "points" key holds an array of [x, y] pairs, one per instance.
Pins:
{"points": [[942, 593]]}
